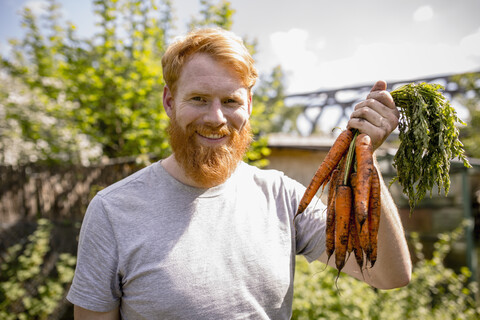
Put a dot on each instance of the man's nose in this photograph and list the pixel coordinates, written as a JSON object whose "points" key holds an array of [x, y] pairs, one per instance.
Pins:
{"points": [[215, 114]]}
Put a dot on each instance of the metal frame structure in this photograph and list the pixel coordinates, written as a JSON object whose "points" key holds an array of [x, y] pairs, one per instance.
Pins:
{"points": [[322, 99]]}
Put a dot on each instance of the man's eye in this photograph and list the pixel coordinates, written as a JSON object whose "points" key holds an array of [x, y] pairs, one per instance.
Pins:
{"points": [[199, 99], [231, 101]]}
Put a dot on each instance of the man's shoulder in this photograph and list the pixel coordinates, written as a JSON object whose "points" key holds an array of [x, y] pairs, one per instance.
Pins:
{"points": [[266, 176], [260, 172], [132, 183]]}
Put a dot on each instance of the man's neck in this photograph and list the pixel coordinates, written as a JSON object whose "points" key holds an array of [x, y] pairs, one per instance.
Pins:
{"points": [[171, 165]]}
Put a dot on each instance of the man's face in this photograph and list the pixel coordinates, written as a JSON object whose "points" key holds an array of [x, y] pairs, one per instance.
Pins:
{"points": [[209, 129]]}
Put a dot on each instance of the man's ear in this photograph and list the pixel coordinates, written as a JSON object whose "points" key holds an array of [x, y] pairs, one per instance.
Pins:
{"points": [[168, 101]]}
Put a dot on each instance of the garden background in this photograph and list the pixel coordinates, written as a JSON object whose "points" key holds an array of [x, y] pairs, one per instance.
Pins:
{"points": [[77, 114]]}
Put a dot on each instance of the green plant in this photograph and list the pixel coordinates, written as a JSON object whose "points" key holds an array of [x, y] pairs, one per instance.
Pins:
{"points": [[28, 289], [69, 99], [428, 140], [470, 84], [434, 293]]}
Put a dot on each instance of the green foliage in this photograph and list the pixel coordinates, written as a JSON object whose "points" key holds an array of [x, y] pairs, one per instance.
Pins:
{"points": [[270, 110], [434, 293], [27, 289], [268, 115], [219, 15], [109, 87], [470, 83], [69, 99], [428, 140], [33, 103]]}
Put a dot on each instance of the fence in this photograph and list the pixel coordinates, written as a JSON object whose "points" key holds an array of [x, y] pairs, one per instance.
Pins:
{"points": [[58, 193]]}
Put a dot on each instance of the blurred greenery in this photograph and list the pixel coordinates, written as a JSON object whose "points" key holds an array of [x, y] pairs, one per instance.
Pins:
{"points": [[73, 100], [30, 288], [66, 99], [435, 291], [470, 135]]}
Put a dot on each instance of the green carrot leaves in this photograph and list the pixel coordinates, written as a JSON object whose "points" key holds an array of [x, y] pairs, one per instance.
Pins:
{"points": [[428, 140]]}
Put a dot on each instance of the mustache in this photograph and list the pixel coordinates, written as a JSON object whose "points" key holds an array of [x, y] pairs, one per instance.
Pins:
{"points": [[206, 130], [208, 165]]}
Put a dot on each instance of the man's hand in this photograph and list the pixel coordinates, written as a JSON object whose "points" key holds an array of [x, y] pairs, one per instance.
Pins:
{"points": [[376, 116]]}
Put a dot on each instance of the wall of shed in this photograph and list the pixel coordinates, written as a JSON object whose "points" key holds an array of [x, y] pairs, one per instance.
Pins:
{"points": [[299, 164]]}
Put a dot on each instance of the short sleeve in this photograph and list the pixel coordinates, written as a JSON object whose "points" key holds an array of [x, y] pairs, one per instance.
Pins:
{"points": [[96, 282], [310, 230]]}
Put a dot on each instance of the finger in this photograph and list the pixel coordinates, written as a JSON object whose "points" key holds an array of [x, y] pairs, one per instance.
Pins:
{"points": [[384, 106], [375, 119], [371, 115], [377, 134], [384, 97], [379, 86]]}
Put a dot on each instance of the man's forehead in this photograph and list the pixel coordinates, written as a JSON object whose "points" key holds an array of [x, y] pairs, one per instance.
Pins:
{"points": [[205, 85], [205, 63], [202, 72]]}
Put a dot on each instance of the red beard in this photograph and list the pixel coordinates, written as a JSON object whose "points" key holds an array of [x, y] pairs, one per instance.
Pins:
{"points": [[208, 166]]}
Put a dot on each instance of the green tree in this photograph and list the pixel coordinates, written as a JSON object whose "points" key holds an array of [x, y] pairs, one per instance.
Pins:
{"points": [[33, 100], [219, 15], [119, 84], [109, 87], [470, 83], [67, 99]]}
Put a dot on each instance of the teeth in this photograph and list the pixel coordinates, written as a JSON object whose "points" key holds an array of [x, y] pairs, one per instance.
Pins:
{"points": [[213, 136]]}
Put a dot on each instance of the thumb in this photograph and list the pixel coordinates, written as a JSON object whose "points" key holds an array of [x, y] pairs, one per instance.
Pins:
{"points": [[380, 85]]}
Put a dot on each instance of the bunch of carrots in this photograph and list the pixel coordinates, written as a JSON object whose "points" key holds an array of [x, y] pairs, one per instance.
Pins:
{"points": [[427, 121], [354, 204]]}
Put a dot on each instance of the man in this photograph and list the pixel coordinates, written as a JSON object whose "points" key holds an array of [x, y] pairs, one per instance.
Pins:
{"points": [[202, 235]]}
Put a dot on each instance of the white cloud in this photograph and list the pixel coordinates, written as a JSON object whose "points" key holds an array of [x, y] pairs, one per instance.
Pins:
{"points": [[38, 7], [471, 44], [371, 62], [291, 49], [4, 48], [321, 44], [305, 72], [423, 13]]}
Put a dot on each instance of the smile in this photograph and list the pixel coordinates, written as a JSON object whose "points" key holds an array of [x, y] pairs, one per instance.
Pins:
{"points": [[213, 136]]}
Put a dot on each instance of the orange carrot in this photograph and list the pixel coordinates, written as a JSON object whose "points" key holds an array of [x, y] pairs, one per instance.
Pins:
{"points": [[330, 229], [362, 230], [357, 249], [364, 238], [374, 212], [351, 230], [330, 226], [343, 206], [351, 227], [338, 149], [364, 156]]}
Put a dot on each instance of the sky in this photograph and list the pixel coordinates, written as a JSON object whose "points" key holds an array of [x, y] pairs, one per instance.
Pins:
{"points": [[326, 44]]}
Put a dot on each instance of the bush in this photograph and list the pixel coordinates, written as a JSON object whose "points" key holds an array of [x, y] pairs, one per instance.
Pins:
{"points": [[33, 279], [435, 291]]}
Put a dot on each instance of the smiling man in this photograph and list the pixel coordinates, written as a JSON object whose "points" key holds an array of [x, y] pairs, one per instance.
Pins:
{"points": [[209, 128], [201, 234]]}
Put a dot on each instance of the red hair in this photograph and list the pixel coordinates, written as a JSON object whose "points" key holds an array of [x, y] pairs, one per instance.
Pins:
{"points": [[222, 45]]}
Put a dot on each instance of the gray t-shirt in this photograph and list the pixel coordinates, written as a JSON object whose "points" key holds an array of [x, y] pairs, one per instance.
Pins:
{"points": [[159, 249]]}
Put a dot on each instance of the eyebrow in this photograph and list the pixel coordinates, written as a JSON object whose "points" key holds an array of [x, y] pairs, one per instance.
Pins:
{"points": [[234, 95]]}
